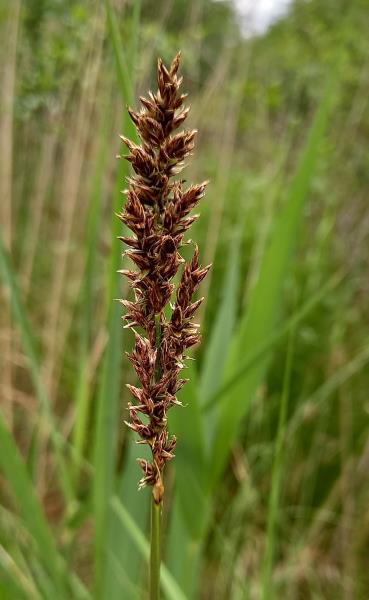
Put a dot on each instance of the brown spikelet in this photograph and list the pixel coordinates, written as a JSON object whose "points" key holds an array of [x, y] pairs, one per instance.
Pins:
{"points": [[157, 212]]}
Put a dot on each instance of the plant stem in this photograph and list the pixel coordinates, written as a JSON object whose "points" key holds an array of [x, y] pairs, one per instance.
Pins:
{"points": [[155, 550]]}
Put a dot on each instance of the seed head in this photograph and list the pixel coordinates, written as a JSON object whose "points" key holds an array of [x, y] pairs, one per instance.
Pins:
{"points": [[157, 213]]}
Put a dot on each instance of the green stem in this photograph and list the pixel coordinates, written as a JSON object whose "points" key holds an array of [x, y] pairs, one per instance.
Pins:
{"points": [[155, 550]]}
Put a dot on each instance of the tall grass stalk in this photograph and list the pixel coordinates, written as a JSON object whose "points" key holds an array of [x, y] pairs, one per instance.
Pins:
{"points": [[267, 584], [157, 213], [10, 25], [155, 554], [104, 483], [47, 417]]}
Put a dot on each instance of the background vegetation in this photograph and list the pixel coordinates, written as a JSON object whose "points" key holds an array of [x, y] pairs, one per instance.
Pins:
{"points": [[268, 496]]}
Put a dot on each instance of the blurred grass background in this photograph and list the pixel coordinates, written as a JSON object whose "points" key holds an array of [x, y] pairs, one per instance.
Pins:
{"points": [[268, 495]]}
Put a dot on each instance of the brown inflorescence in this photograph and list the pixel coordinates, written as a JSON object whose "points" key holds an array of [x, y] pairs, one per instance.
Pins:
{"points": [[157, 212]]}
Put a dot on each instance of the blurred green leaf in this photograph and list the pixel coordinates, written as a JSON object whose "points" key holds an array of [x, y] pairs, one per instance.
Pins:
{"points": [[187, 424], [268, 592], [22, 323], [316, 399], [221, 334], [16, 474], [190, 506], [13, 583], [137, 504], [109, 388], [266, 346], [169, 585], [83, 392], [266, 298]]}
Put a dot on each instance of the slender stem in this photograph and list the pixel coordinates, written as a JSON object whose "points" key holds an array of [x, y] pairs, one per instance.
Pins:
{"points": [[155, 550]]}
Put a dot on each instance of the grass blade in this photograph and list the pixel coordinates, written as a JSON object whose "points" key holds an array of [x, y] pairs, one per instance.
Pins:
{"points": [[183, 551], [106, 436], [109, 389], [122, 67], [269, 344], [15, 471], [187, 424], [265, 301], [13, 582], [221, 334], [169, 585], [317, 399], [128, 560], [27, 340], [189, 511], [82, 394], [267, 586]]}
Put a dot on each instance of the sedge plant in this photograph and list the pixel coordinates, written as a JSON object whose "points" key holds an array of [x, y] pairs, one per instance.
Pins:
{"points": [[157, 212]]}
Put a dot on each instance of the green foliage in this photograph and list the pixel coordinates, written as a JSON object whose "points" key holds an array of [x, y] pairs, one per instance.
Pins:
{"points": [[267, 496]]}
